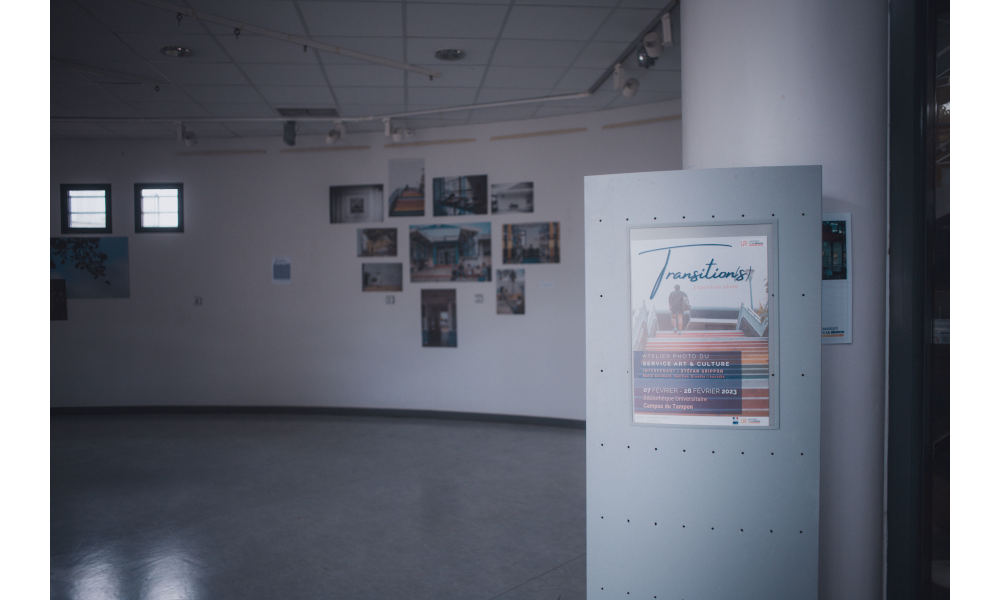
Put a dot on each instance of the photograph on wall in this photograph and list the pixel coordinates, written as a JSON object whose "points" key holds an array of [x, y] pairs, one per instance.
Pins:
{"points": [[382, 277], [377, 242], [406, 187], [437, 315], [702, 318], [465, 195], [510, 291], [93, 267], [355, 203], [459, 252], [512, 197], [530, 243], [837, 278]]}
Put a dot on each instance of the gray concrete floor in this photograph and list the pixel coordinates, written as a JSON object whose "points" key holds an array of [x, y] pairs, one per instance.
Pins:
{"points": [[263, 506]]}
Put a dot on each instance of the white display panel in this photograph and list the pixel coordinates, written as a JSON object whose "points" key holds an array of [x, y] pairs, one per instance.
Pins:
{"points": [[703, 512]]}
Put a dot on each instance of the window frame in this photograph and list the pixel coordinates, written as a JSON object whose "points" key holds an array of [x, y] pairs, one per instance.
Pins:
{"points": [[65, 189], [139, 228]]}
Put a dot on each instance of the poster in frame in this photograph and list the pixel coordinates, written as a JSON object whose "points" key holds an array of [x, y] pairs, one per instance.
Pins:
{"points": [[704, 325]]}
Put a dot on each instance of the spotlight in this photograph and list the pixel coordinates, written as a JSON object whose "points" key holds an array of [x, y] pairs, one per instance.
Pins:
{"points": [[619, 76], [631, 87], [289, 135], [332, 137], [190, 139], [645, 60], [653, 44], [397, 134]]}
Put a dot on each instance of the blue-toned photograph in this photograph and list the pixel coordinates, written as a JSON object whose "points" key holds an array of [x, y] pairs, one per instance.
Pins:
{"points": [[458, 252], [93, 267]]}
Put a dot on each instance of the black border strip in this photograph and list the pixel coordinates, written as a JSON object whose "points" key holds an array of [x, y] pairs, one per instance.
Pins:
{"points": [[337, 411]]}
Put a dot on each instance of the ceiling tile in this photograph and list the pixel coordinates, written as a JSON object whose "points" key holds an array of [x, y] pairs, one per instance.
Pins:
{"points": [[204, 73], [605, 3], [284, 74], [446, 120], [536, 53], [625, 25], [235, 94], [353, 18], [643, 98], [363, 75], [600, 55], [143, 131], [170, 110], [147, 93], [89, 48], [102, 110], [655, 80], [457, 20], [280, 16], [259, 49], [369, 95], [235, 111], [131, 17], [81, 131], [578, 80], [287, 95], [367, 110], [203, 47], [553, 22], [421, 50], [68, 15], [451, 76], [66, 75], [487, 95], [522, 77], [556, 111], [57, 110], [657, 4], [383, 47], [444, 97], [72, 92]]}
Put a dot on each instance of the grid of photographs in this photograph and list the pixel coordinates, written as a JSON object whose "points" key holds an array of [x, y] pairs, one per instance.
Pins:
{"points": [[449, 252]]}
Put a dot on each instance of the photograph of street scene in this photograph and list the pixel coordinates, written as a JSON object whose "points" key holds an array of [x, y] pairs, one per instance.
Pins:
{"points": [[510, 291], [531, 243], [464, 195]]}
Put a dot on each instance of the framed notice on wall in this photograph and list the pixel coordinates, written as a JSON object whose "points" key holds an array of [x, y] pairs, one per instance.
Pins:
{"points": [[704, 319]]}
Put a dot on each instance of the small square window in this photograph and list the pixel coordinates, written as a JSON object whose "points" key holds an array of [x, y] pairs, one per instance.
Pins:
{"points": [[86, 208], [159, 207]]}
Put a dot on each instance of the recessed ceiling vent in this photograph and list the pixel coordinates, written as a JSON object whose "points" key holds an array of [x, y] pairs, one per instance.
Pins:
{"points": [[175, 51], [308, 112], [449, 54]]}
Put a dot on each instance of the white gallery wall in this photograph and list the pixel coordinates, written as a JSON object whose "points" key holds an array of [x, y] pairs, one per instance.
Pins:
{"points": [[321, 341]]}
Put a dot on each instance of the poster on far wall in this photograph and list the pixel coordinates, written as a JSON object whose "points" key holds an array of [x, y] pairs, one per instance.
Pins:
{"points": [[530, 243], [438, 318], [512, 197], [406, 187], [460, 252], [281, 270], [704, 326], [510, 291], [837, 273], [377, 242], [355, 203], [93, 267], [465, 195], [382, 277]]}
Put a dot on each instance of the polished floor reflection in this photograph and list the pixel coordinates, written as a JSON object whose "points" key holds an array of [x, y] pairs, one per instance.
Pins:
{"points": [[264, 506]]}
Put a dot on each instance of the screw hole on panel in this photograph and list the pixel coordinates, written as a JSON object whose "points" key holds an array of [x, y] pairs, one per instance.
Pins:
{"points": [[772, 531], [602, 295], [802, 453], [772, 214], [803, 295], [628, 446], [683, 526], [602, 370], [627, 521], [742, 453], [803, 214], [772, 454], [803, 374], [740, 530], [742, 215], [800, 531], [772, 374], [713, 451], [602, 444], [683, 217], [626, 219], [654, 218], [683, 450], [713, 529], [602, 518], [655, 524]]}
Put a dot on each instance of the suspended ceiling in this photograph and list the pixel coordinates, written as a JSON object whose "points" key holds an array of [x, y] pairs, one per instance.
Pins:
{"points": [[514, 49]]}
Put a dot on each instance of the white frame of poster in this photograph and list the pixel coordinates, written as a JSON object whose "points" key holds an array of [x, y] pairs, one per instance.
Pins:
{"points": [[716, 230]]}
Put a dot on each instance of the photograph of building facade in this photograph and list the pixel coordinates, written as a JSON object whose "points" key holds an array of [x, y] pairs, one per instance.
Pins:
{"points": [[512, 197], [465, 195], [530, 243], [438, 318], [355, 203], [377, 242], [510, 291], [450, 252]]}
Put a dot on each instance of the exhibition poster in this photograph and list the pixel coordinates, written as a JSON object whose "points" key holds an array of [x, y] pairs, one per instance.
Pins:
{"points": [[837, 274], [702, 313]]}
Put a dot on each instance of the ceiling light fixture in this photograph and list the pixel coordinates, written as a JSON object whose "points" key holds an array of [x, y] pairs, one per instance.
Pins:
{"points": [[631, 87], [175, 51], [644, 59], [334, 135], [188, 137], [619, 76], [289, 133], [449, 54]]}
